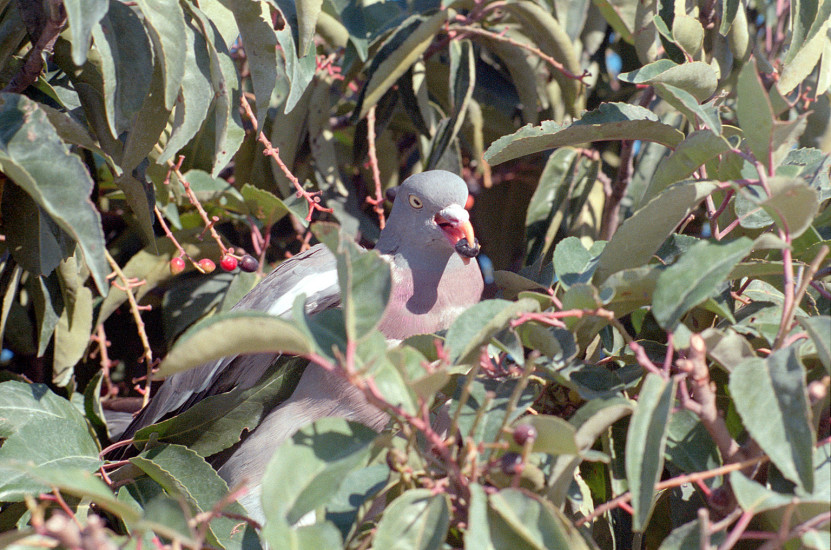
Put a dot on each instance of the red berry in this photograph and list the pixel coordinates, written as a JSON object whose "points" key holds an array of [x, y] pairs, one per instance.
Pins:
{"points": [[228, 263], [207, 265], [177, 265], [511, 463], [249, 264], [523, 433]]}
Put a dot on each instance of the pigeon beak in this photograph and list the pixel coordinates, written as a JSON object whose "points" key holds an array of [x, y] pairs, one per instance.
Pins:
{"points": [[454, 221]]}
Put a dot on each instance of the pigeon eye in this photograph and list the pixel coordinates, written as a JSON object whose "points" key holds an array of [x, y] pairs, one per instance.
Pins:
{"points": [[415, 202]]}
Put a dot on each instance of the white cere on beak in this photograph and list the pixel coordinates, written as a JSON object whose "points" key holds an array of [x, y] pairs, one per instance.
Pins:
{"points": [[455, 214]]}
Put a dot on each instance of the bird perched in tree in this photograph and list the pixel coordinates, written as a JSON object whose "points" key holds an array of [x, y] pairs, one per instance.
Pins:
{"points": [[429, 244]]}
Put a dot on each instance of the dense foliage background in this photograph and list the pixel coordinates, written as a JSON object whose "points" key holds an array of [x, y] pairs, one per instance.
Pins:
{"points": [[650, 182]]}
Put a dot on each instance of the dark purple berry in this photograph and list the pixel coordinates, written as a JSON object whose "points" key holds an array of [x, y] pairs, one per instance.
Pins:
{"points": [[523, 433], [511, 463], [249, 264]]}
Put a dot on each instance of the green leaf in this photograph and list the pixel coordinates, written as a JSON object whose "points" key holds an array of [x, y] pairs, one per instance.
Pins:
{"points": [[498, 394], [770, 396], [688, 536], [34, 239], [521, 520], [689, 106], [166, 22], [61, 186], [475, 326], [555, 436], [307, 14], [755, 113], [803, 55], [264, 206], [698, 148], [83, 16], [689, 446], [792, 204], [222, 132], [631, 288], [300, 67], [182, 472], [396, 55], [549, 36], [127, 63], [727, 347], [365, 283], [72, 336], [557, 197], [416, 520], [191, 109], [83, 484], [218, 421], [696, 78], [260, 41], [729, 9], [235, 332], [574, 264], [149, 123], [819, 329], [31, 416], [305, 472], [645, 443], [695, 277], [609, 122], [477, 536], [637, 239]]}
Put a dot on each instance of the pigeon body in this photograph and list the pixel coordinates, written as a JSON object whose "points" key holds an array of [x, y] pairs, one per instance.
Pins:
{"points": [[428, 242]]}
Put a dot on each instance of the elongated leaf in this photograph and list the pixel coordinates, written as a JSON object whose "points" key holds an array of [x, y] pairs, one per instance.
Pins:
{"points": [[82, 484], [770, 397], [307, 14], [307, 470], [634, 243], [574, 264], [127, 62], [167, 24], [555, 436], [217, 422], [237, 332], [72, 336], [521, 520], [300, 66], [694, 278], [191, 108], [398, 53], [755, 113], [696, 78], [498, 394], [61, 186], [474, 327], [819, 329], [418, 519], [610, 121], [699, 147], [645, 443], [83, 15], [184, 473], [547, 34], [254, 21], [792, 204], [689, 107], [33, 415], [224, 119]]}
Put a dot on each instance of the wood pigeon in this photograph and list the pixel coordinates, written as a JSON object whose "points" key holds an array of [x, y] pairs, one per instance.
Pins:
{"points": [[430, 245]]}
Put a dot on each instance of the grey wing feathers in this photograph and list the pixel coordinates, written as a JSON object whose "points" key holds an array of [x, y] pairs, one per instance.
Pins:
{"points": [[312, 272]]}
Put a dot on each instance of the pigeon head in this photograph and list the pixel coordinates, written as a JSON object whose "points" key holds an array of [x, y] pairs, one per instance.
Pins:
{"points": [[428, 214]]}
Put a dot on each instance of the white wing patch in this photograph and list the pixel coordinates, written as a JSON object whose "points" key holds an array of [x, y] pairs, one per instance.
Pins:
{"points": [[309, 285]]}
